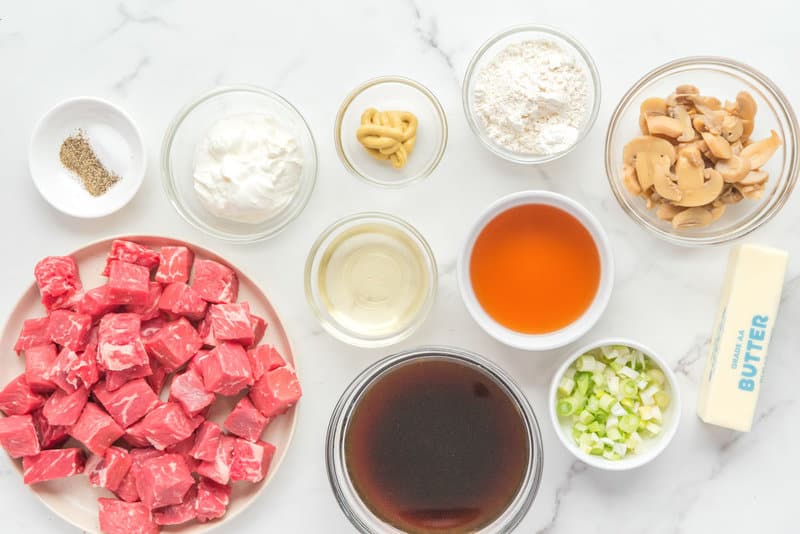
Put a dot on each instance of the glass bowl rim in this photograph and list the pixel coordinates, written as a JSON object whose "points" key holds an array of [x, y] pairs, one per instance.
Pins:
{"points": [[168, 181], [594, 74], [339, 480], [331, 326], [372, 82], [752, 223]]}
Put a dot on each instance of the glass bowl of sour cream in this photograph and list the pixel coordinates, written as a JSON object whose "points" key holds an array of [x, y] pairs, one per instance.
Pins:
{"points": [[371, 279], [239, 163]]}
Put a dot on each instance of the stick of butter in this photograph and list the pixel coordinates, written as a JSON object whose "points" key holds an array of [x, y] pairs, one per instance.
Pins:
{"points": [[735, 365]]}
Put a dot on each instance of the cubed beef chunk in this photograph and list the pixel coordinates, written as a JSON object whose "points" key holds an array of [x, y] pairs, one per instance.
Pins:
{"points": [[206, 442], [17, 398], [212, 499], [58, 281], [246, 421], [128, 284], [226, 370], [251, 460], [96, 429], [174, 344], [263, 359], [68, 329], [180, 300], [276, 391], [108, 471], [175, 264], [32, 334], [18, 436], [188, 390], [38, 361], [215, 282], [64, 409], [163, 480], [129, 403], [130, 252], [120, 517], [52, 464]]}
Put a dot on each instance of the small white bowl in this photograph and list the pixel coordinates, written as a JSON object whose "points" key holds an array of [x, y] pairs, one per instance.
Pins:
{"points": [[574, 330], [652, 446], [115, 140]]}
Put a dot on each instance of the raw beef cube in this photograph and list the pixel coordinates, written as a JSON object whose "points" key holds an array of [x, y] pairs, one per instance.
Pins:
{"points": [[219, 469], [63, 409], [119, 328], [251, 460], [163, 481], [165, 426], [179, 299], [197, 363], [174, 344], [159, 376], [178, 514], [136, 437], [119, 517], [73, 370], [38, 361], [184, 448], [175, 264], [231, 322], [123, 357], [52, 464], [128, 283], [69, 329], [187, 389], [119, 343], [18, 436], [95, 302], [117, 379], [149, 310], [96, 429], [18, 399], [151, 327], [130, 252], [50, 436], [212, 499], [215, 282], [127, 487], [58, 281], [259, 326], [276, 391], [246, 421], [205, 331], [226, 370], [206, 442], [108, 471], [33, 334], [263, 359], [128, 403]]}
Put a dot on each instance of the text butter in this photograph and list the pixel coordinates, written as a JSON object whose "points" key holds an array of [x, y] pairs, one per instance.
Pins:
{"points": [[731, 381]]}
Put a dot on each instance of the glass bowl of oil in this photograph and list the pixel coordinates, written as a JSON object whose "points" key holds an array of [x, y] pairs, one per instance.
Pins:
{"points": [[434, 440], [371, 279]]}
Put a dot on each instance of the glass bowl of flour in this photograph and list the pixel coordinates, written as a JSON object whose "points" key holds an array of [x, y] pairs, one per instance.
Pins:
{"points": [[531, 94], [239, 163]]}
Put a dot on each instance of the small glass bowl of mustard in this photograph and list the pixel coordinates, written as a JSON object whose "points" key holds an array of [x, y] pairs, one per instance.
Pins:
{"points": [[386, 94], [370, 279]]}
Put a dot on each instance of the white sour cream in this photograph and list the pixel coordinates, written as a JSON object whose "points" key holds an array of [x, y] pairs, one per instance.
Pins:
{"points": [[247, 168]]}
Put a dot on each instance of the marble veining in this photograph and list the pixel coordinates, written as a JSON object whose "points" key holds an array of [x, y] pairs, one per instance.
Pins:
{"points": [[151, 56]]}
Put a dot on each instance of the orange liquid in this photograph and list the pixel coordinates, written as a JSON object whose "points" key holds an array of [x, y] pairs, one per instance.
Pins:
{"points": [[535, 269]]}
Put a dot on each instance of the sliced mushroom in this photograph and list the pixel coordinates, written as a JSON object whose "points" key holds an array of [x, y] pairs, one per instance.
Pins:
{"points": [[692, 218], [648, 165], [712, 119], [736, 148], [710, 103], [745, 106], [759, 152], [651, 106], [733, 169], [667, 211], [630, 181], [717, 145], [754, 178], [663, 125], [752, 192], [732, 128], [647, 143], [730, 195], [687, 133], [747, 129], [705, 193], [665, 186], [688, 171]]}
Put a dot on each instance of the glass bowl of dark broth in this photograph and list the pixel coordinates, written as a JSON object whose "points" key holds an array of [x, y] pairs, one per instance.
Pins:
{"points": [[434, 440]]}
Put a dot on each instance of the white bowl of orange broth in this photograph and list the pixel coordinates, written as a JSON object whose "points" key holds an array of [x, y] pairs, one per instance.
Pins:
{"points": [[536, 271]]}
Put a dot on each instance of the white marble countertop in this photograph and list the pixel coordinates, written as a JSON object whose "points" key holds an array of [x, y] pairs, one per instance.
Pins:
{"points": [[152, 57]]}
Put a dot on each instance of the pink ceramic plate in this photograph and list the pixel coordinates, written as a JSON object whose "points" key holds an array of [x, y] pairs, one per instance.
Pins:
{"points": [[73, 499]]}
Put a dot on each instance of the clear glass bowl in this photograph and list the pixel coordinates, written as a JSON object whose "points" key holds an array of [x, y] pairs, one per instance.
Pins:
{"points": [[486, 54], [346, 495], [722, 78], [317, 301], [189, 128], [391, 93]]}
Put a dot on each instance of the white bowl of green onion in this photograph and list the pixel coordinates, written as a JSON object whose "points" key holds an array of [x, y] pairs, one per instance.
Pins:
{"points": [[615, 404]]}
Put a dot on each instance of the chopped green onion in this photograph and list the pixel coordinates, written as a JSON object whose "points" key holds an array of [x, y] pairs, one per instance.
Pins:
{"points": [[613, 396]]}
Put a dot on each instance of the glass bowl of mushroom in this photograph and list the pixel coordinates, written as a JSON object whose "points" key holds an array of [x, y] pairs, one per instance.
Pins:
{"points": [[702, 150]]}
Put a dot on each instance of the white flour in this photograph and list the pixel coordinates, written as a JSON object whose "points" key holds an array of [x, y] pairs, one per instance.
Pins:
{"points": [[532, 97]]}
